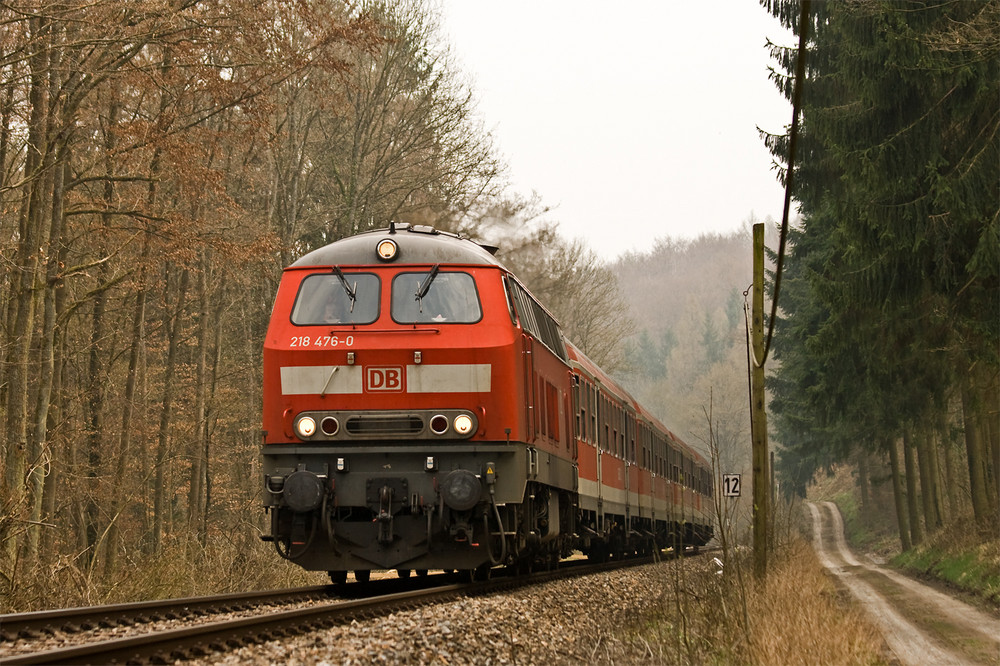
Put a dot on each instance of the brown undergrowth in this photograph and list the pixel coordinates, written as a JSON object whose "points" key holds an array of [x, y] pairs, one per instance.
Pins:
{"points": [[798, 617], [184, 568]]}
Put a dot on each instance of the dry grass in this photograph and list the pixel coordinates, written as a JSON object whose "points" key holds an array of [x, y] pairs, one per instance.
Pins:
{"points": [[798, 617], [183, 569]]}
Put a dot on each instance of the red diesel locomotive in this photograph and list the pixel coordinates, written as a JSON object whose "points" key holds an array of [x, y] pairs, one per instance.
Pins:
{"points": [[423, 411]]}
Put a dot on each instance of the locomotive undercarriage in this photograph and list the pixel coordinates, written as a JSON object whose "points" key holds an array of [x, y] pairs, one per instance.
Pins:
{"points": [[460, 507]]}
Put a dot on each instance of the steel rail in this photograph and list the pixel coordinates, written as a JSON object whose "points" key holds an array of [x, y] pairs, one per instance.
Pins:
{"points": [[84, 618], [202, 639]]}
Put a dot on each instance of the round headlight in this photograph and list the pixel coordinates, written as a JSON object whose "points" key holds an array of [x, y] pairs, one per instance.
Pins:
{"points": [[305, 426], [330, 426], [463, 424], [387, 249], [439, 424]]}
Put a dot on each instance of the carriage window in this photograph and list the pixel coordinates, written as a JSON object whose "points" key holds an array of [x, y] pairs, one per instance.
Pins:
{"points": [[337, 298], [435, 297]]}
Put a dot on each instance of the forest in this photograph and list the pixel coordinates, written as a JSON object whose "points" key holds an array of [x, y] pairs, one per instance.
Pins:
{"points": [[160, 162], [888, 334]]}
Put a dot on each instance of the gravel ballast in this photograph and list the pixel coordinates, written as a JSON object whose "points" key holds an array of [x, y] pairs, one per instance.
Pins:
{"points": [[579, 620]]}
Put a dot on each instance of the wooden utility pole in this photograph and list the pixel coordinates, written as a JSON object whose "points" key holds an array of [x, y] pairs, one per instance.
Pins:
{"points": [[758, 417]]}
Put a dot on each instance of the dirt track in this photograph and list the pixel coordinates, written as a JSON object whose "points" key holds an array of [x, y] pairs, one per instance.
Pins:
{"points": [[920, 625]]}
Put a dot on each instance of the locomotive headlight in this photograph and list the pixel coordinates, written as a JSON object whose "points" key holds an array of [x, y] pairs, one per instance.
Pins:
{"points": [[387, 249], [439, 424], [305, 427], [329, 425], [463, 424]]}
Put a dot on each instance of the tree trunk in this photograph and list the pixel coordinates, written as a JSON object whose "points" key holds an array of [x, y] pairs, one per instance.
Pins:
{"points": [[6, 281], [947, 451], [927, 463], [989, 383], [57, 445], [55, 167], [13, 495], [916, 529], [128, 408], [897, 495], [96, 437], [974, 447], [172, 324], [196, 485], [211, 417], [40, 453], [6, 114], [862, 459]]}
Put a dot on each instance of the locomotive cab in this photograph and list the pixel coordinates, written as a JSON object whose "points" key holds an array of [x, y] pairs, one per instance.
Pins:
{"points": [[394, 408]]}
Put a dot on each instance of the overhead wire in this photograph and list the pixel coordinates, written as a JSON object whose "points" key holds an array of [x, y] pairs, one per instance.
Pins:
{"points": [[800, 68]]}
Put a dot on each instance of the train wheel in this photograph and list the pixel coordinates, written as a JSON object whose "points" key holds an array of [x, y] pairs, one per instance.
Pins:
{"points": [[338, 577], [403, 573], [483, 572], [363, 575], [421, 572]]}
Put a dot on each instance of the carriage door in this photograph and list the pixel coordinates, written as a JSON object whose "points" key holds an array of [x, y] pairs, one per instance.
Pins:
{"points": [[627, 457], [599, 443]]}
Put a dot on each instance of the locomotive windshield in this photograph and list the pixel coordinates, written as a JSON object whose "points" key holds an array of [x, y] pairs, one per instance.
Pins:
{"points": [[433, 297], [337, 298]]}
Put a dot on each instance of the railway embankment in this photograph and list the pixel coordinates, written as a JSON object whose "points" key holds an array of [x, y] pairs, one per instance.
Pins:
{"points": [[686, 611], [699, 609]]}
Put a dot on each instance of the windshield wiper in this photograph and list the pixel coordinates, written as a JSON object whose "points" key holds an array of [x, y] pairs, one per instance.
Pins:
{"points": [[353, 293], [425, 286]]}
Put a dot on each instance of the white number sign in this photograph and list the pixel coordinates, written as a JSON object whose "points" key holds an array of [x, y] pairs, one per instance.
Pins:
{"points": [[731, 485]]}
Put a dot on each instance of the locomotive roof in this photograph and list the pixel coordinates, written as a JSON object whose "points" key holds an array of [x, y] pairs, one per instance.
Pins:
{"points": [[418, 244]]}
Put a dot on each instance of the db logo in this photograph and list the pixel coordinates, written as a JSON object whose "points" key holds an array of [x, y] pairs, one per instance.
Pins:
{"points": [[385, 378]]}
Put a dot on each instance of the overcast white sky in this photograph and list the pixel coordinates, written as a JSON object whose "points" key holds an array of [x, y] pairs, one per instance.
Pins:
{"points": [[636, 119]]}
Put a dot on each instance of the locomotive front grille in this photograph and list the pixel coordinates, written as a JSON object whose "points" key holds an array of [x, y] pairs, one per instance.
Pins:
{"points": [[331, 426], [384, 425]]}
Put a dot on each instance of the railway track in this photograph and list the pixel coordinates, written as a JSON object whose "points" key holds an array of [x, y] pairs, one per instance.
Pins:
{"points": [[88, 618], [198, 635]]}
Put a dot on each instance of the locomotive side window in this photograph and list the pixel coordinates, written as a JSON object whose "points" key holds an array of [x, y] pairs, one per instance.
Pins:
{"points": [[337, 298], [435, 297], [535, 320], [510, 301]]}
